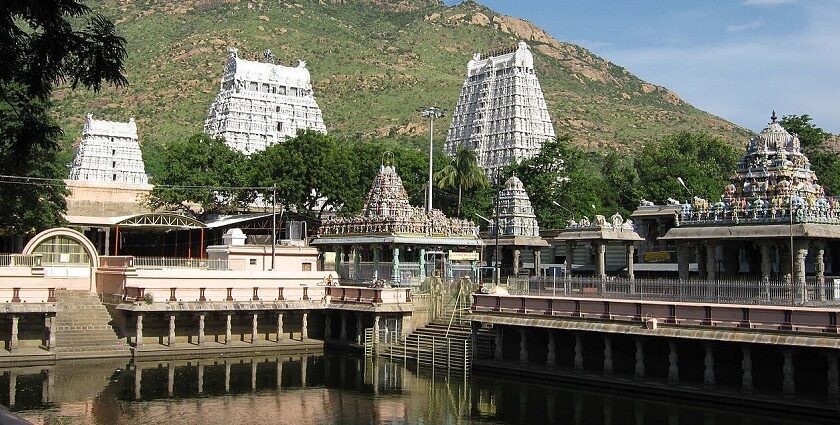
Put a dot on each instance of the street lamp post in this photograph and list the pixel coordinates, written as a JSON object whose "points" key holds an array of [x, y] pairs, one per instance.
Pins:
{"points": [[430, 112]]}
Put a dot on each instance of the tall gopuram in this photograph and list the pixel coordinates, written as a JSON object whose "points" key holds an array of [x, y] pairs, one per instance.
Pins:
{"points": [[262, 103], [501, 112], [395, 241], [519, 242], [109, 153]]}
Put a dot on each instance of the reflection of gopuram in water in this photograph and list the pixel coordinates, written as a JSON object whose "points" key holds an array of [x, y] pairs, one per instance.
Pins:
{"points": [[313, 388]]}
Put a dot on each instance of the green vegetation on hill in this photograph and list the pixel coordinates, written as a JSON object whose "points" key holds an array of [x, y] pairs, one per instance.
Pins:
{"points": [[373, 62]]}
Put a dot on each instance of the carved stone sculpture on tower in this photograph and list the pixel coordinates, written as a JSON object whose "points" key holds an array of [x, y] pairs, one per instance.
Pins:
{"points": [[261, 103], [501, 113], [109, 153]]}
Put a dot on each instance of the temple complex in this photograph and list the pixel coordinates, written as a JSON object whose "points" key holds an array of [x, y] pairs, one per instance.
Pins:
{"points": [[262, 103], [501, 112], [518, 233], [109, 153], [773, 220], [395, 241]]}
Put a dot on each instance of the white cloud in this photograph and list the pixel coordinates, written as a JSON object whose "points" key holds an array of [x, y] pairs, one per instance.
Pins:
{"points": [[767, 2], [749, 26], [743, 79]]}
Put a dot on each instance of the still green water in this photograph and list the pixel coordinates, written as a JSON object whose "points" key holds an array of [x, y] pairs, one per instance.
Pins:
{"points": [[325, 389]]}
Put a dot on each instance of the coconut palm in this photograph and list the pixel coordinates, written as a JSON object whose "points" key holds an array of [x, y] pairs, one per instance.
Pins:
{"points": [[462, 172]]}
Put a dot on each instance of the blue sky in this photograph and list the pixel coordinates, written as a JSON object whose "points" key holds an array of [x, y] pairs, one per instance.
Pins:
{"points": [[738, 59]]}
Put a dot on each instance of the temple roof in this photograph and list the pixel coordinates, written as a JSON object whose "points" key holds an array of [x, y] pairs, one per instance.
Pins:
{"points": [[109, 128], [243, 69]]}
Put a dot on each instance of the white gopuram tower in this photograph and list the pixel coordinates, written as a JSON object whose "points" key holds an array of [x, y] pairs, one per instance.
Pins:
{"points": [[109, 153], [501, 112], [261, 103]]}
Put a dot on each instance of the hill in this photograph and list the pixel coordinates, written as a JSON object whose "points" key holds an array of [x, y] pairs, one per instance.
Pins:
{"points": [[373, 62]]}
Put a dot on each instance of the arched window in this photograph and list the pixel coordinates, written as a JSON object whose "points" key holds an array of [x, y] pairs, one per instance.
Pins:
{"points": [[61, 249]]}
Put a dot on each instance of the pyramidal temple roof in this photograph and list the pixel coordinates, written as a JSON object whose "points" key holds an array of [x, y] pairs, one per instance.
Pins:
{"points": [[109, 153], [516, 215]]}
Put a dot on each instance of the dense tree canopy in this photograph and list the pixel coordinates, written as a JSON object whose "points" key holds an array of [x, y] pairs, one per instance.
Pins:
{"points": [[202, 174], [44, 43], [704, 163]]}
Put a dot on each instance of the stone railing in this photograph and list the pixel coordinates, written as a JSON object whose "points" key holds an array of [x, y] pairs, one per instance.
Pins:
{"points": [[369, 295], [652, 313], [27, 295], [210, 292], [385, 226]]}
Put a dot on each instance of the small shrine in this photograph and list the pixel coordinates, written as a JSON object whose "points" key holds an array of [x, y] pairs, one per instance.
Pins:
{"points": [[773, 220], [598, 238], [518, 231], [394, 241]]}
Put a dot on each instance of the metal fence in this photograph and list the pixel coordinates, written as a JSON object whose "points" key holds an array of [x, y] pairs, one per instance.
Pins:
{"points": [[20, 260], [155, 263], [742, 291]]}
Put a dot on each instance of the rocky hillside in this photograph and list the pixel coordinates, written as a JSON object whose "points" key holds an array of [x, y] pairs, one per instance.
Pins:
{"points": [[373, 62]]}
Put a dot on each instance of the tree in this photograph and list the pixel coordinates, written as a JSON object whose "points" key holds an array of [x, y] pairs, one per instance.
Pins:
{"points": [[824, 162], [462, 173], [704, 162], [201, 170], [562, 173], [44, 43], [622, 183]]}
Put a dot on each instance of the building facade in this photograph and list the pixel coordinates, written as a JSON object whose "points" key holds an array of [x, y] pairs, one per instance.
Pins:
{"points": [[109, 153], [262, 103], [501, 112]]}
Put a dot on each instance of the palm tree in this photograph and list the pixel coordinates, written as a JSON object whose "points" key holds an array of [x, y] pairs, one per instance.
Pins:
{"points": [[462, 172]]}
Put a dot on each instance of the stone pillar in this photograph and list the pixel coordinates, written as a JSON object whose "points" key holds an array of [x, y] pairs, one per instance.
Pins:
{"points": [[50, 322], [711, 261], [280, 335], [395, 265], [683, 260], [339, 257], [499, 353], [343, 334], [746, 369], [673, 363], [570, 257], [228, 337], [788, 383], [523, 345], [253, 375], [254, 331], [709, 365], [357, 258], [201, 338], [799, 268], [833, 378], [375, 329], [327, 326], [631, 257], [537, 262], [640, 359], [48, 386], [171, 340], [608, 359], [377, 250], [819, 268], [422, 264], [517, 255], [200, 378], [578, 351], [138, 334], [601, 260], [107, 240], [766, 263], [304, 332], [551, 357], [12, 388]]}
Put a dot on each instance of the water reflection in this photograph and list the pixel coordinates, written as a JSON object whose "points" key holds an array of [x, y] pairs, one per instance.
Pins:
{"points": [[323, 389]]}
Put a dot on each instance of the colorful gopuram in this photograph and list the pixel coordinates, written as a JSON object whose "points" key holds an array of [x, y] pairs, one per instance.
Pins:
{"points": [[393, 240]]}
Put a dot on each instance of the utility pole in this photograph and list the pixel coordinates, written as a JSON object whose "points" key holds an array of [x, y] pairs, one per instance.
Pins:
{"points": [[273, 222], [430, 112]]}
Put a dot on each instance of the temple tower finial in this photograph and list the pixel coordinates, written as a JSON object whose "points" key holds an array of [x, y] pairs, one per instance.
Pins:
{"points": [[773, 117]]}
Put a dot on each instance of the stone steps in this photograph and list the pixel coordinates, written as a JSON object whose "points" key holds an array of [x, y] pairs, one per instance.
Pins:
{"points": [[83, 325]]}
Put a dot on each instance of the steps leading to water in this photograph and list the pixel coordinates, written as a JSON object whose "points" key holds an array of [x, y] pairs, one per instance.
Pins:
{"points": [[84, 328]]}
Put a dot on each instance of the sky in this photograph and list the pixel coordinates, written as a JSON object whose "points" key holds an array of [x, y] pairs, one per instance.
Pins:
{"points": [[738, 59]]}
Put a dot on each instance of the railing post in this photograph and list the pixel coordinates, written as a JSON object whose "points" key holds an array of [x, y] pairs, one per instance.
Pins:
{"points": [[172, 295], [229, 294]]}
